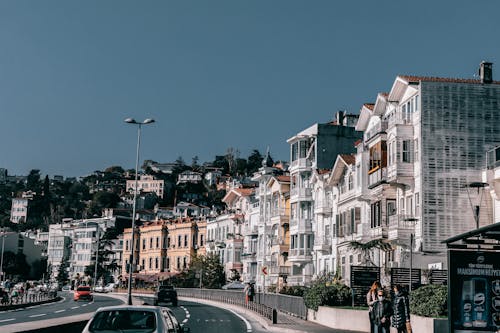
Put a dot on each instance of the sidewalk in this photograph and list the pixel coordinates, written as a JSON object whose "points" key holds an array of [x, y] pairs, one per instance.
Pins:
{"points": [[286, 323]]}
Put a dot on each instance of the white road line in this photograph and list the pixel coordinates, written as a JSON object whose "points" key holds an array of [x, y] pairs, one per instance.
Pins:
{"points": [[84, 304], [4, 320], [187, 314], [75, 307], [249, 327], [184, 321], [38, 315], [59, 311]]}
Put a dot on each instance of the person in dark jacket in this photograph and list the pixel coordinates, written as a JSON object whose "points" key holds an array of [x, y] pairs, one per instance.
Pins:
{"points": [[382, 311], [401, 310]]}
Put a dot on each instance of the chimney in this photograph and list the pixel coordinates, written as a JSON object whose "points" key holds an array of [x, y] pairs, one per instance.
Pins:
{"points": [[486, 72], [340, 115]]}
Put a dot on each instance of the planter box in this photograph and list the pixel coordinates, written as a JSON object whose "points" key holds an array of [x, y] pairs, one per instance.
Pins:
{"points": [[357, 320], [342, 319]]}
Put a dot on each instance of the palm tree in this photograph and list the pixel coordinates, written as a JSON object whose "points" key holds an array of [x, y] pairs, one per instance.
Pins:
{"points": [[367, 248]]}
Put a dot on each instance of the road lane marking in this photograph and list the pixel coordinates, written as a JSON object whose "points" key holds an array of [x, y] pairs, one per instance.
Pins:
{"points": [[59, 311], [4, 320], [38, 315], [75, 307], [249, 327], [84, 304]]}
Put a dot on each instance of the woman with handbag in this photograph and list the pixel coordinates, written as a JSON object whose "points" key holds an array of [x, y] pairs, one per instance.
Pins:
{"points": [[371, 298], [401, 309]]}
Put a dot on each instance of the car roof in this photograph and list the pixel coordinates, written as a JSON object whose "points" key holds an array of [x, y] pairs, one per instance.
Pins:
{"points": [[130, 307]]}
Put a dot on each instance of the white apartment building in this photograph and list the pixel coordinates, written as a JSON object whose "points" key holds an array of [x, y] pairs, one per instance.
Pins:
{"points": [[314, 148], [147, 183], [19, 210], [225, 232], [250, 238]]}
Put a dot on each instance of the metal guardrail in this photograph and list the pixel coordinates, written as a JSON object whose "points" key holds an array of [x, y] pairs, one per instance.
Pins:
{"points": [[263, 304], [26, 299]]}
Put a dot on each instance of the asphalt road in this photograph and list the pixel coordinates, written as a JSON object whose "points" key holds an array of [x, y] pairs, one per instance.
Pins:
{"points": [[208, 319], [65, 307]]}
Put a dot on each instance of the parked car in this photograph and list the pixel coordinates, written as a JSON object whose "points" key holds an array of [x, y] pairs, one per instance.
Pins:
{"points": [[84, 293], [66, 288], [129, 318], [99, 289], [165, 294], [110, 287]]}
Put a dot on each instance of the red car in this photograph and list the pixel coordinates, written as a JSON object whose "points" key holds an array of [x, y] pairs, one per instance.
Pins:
{"points": [[84, 293]]}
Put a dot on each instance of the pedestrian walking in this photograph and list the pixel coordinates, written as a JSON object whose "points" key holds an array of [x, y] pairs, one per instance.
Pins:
{"points": [[382, 311], [401, 310], [371, 298], [249, 293]]}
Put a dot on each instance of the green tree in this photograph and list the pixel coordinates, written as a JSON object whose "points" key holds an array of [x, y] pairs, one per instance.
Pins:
{"points": [[62, 274], [367, 248], [103, 200], [15, 265], [254, 162], [212, 271]]}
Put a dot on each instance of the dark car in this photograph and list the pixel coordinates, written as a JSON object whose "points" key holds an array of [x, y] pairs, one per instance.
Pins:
{"points": [[165, 294]]}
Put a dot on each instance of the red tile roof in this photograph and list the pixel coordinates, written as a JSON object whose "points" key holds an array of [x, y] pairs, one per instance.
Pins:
{"points": [[283, 178], [369, 106], [323, 171], [244, 191], [413, 78], [349, 159]]}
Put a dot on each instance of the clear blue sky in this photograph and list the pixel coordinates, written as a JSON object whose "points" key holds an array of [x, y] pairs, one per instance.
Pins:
{"points": [[214, 74]]}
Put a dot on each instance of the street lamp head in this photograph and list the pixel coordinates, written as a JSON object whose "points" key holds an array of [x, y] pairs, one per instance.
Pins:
{"points": [[130, 121], [148, 121]]}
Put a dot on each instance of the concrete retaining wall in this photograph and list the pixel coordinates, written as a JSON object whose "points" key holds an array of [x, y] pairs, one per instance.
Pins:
{"points": [[357, 320]]}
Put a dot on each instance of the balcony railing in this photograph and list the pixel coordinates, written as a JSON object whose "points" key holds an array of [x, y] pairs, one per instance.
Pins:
{"points": [[280, 270], [381, 127], [280, 212], [377, 176], [400, 118], [303, 193], [301, 163], [323, 207]]}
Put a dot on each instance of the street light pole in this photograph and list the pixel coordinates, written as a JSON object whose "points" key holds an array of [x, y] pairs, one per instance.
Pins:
{"points": [[132, 248], [96, 256], [1, 260]]}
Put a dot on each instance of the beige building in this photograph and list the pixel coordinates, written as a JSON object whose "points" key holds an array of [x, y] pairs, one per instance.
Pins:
{"points": [[185, 239], [152, 247], [147, 183]]}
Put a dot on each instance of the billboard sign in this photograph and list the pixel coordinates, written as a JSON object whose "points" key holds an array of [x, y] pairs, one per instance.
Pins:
{"points": [[473, 291], [362, 278]]}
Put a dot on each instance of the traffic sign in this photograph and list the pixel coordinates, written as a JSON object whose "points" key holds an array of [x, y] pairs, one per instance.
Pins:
{"points": [[264, 270]]}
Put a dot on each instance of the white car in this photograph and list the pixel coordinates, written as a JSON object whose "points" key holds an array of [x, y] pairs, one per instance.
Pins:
{"points": [[109, 288], [130, 318]]}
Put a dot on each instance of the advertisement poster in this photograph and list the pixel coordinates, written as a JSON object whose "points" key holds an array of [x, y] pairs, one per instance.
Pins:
{"points": [[474, 291]]}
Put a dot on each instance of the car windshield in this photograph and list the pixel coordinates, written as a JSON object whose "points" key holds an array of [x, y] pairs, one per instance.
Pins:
{"points": [[124, 321], [83, 289]]}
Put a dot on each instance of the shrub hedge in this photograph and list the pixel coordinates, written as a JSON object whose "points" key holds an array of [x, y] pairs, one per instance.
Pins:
{"points": [[324, 291], [429, 301]]}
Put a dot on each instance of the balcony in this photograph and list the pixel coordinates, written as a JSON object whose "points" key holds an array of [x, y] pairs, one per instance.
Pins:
{"points": [[323, 207], [378, 233], [280, 270], [401, 226], [301, 163], [379, 128], [301, 193], [323, 244], [251, 230], [300, 255], [400, 118], [279, 214], [377, 177]]}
